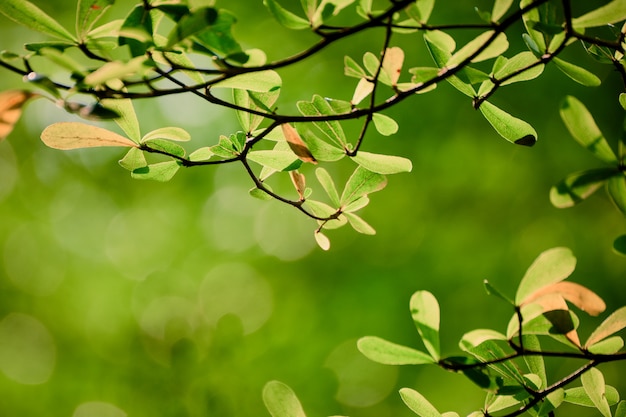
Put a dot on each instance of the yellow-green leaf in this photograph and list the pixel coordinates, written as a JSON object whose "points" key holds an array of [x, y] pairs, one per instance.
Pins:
{"points": [[74, 135]]}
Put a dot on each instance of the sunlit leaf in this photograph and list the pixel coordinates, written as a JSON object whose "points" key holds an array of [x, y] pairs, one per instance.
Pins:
{"points": [[593, 383], [297, 145], [616, 187], [372, 63], [477, 337], [509, 127], [363, 89], [137, 30], [578, 186], [299, 182], [519, 62], [254, 101], [133, 159], [285, 17], [440, 45], [622, 100], [162, 171], [388, 353], [115, 69], [613, 324], [359, 224], [608, 346], [356, 205], [580, 296], [281, 401], [418, 404], [392, 63], [534, 39], [383, 164], [551, 266], [491, 290], [535, 364], [74, 135], [11, 104], [328, 9], [193, 24], [320, 209], [362, 182], [260, 81], [31, 16], [128, 118], [497, 47], [170, 133], [576, 73], [583, 128], [322, 241], [321, 107], [385, 125], [328, 184], [322, 150], [277, 160], [201, 154], [260, 194], [352, 69], [500, 7], [423, 9], [621, 408], [425, 313], [551, 402], [578, 396], [612, 12]]}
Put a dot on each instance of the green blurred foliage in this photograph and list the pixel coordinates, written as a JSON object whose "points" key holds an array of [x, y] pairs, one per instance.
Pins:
{"points": [[185, 298]]}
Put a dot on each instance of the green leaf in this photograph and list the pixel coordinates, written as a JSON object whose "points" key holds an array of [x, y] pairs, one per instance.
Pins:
{"points": [[583, 128], [253, 101], [425, 313], [611, 325], [133, 159], [616, 187], [277, 160], [285, 17], [114, 70], [510, 128], [535, 364], [165, 146], [260, 81], [607, 346], [362, 182], [260, 194], [498, 46], [517, 63], [128, 118], [593, 383], [321, 150], [500, 7], [388, 353], [534, 38], [491, 290], [383, 164], [551, 402], [322, 241], [31, 16], [551, 266], [440, 45], [621, 408], [622, 100], [193, 24], [578, 396], [418, 404], [321, 107], [576, 187], [201, 154], [576, 73], [162, 171], [218, 37], [281, 401], [74, 135], [320, 209], [423, 9], [356, 205], [328, 9], [136, 31], [385, 125], [352, 69], [328, 184], [619, 245], [359, 224], [170, 133], [612, 12]]}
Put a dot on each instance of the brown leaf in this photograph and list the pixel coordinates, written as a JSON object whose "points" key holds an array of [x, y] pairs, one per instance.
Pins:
{"points": [[299, 181], [580, 296], [11, 103], [74, 135], [296, 144]]}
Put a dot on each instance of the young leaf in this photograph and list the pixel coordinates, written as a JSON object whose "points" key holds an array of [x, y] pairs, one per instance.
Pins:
{"points": [[73, 135], [382, 164], [11, 104], [551, 266], [162, 171], [296, 144], [31, 16], [388, 353], [616, 187], [170, 133], [425, 313], [510, 128], [500, 7], [328, 184], [362, 182], [418, 404], [281, 401], [612, 12], [385, 125], [359, 224], [285, 17], [613, 324], [593, 383], [260, 81], [133, 160], [580, 296], [322, 241], [583, 128], [576, 73], [578, 186]]}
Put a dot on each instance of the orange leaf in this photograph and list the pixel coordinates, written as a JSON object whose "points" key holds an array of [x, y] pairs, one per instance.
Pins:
{"points": [[11, 103], [554, 302], [299, 181], [74, 135], [296, 144], [580, 296]]}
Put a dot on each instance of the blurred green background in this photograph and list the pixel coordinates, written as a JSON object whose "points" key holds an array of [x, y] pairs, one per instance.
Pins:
{"points": [[184, 298]]}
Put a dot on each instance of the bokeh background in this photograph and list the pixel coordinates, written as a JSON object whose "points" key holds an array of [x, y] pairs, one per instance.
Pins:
{"points": [[121, 297]]}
